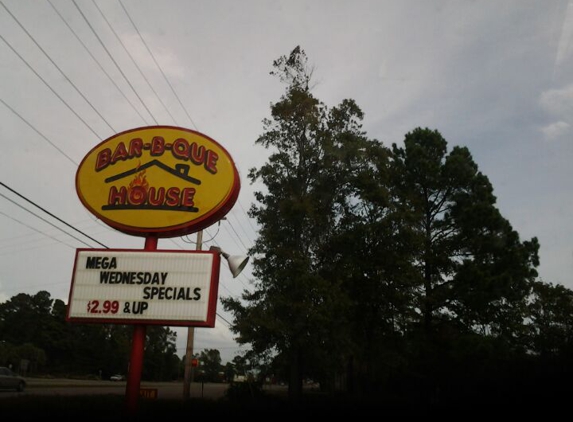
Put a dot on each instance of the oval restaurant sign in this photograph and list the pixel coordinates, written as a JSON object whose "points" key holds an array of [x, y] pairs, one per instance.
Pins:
{"points": [[158, 180]]}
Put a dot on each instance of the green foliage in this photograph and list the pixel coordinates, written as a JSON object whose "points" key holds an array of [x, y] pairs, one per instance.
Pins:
{"points": [[471, 265], [383, 265], [550, 311], [296, 310], [245, 392], [36, 339], [210, 367]]}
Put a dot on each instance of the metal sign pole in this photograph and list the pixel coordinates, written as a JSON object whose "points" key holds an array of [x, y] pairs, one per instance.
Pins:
{"points": [[188, 377], [137, 351]]}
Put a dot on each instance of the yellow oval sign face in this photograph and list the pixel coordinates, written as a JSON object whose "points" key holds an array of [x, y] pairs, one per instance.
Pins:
{"points": [[158, 180]]}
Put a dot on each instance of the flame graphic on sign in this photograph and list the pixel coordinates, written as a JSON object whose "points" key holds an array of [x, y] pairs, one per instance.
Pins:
{"points": [[140, 180]]}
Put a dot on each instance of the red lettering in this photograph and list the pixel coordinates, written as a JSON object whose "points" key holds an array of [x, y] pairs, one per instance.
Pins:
{"points": [[135, 147], [157, 146], [172, 197], [197, 153], [137, 195], [180, 149], [156, 196], [120, 153], [187, 197], [103, 159], [117, 197], [211, 162]]}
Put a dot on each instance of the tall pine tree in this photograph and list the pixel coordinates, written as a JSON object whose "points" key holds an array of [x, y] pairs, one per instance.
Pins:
{"points": [[294, 311]]}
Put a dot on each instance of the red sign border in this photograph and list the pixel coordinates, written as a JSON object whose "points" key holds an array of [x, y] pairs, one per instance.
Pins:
{"points": [[211, 305], [189, 227]]}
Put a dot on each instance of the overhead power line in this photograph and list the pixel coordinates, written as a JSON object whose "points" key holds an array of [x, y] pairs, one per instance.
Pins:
{"points": [[115, 62], [38, 132], [58, 68], [157, 64], [134, 62], [53, 216], [98, 63], [41, 218], [50, 88], [33, 228], [231, 230]]}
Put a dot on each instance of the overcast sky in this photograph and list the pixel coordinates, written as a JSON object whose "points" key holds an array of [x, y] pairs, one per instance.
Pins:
{"points": [[495, 76]]}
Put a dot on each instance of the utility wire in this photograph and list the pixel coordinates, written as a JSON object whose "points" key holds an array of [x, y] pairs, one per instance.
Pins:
{"points": [[57, 67], [38, 132], [157, 64], [98, 63], [51, 89], [237, 235], [219, 315], [170, 86], [83, 121], [134, 62], [51, 215], [245, 235], [114, 62], [30, 227], [248, 218], [43, 219], [151, 54]]}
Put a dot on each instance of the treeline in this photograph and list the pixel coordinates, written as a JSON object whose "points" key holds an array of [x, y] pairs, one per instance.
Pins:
{"points": [[36, 340], [388, 271]]}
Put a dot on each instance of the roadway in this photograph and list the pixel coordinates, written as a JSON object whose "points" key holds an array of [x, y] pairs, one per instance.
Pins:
{"points": [[72, 387]]}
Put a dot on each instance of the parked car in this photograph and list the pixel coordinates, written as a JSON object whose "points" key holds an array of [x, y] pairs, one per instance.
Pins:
{"points": [[117, 377], [10, 380]]}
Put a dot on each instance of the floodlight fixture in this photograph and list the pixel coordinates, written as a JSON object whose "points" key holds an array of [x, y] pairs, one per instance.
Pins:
{"points": [[236, 262]]}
